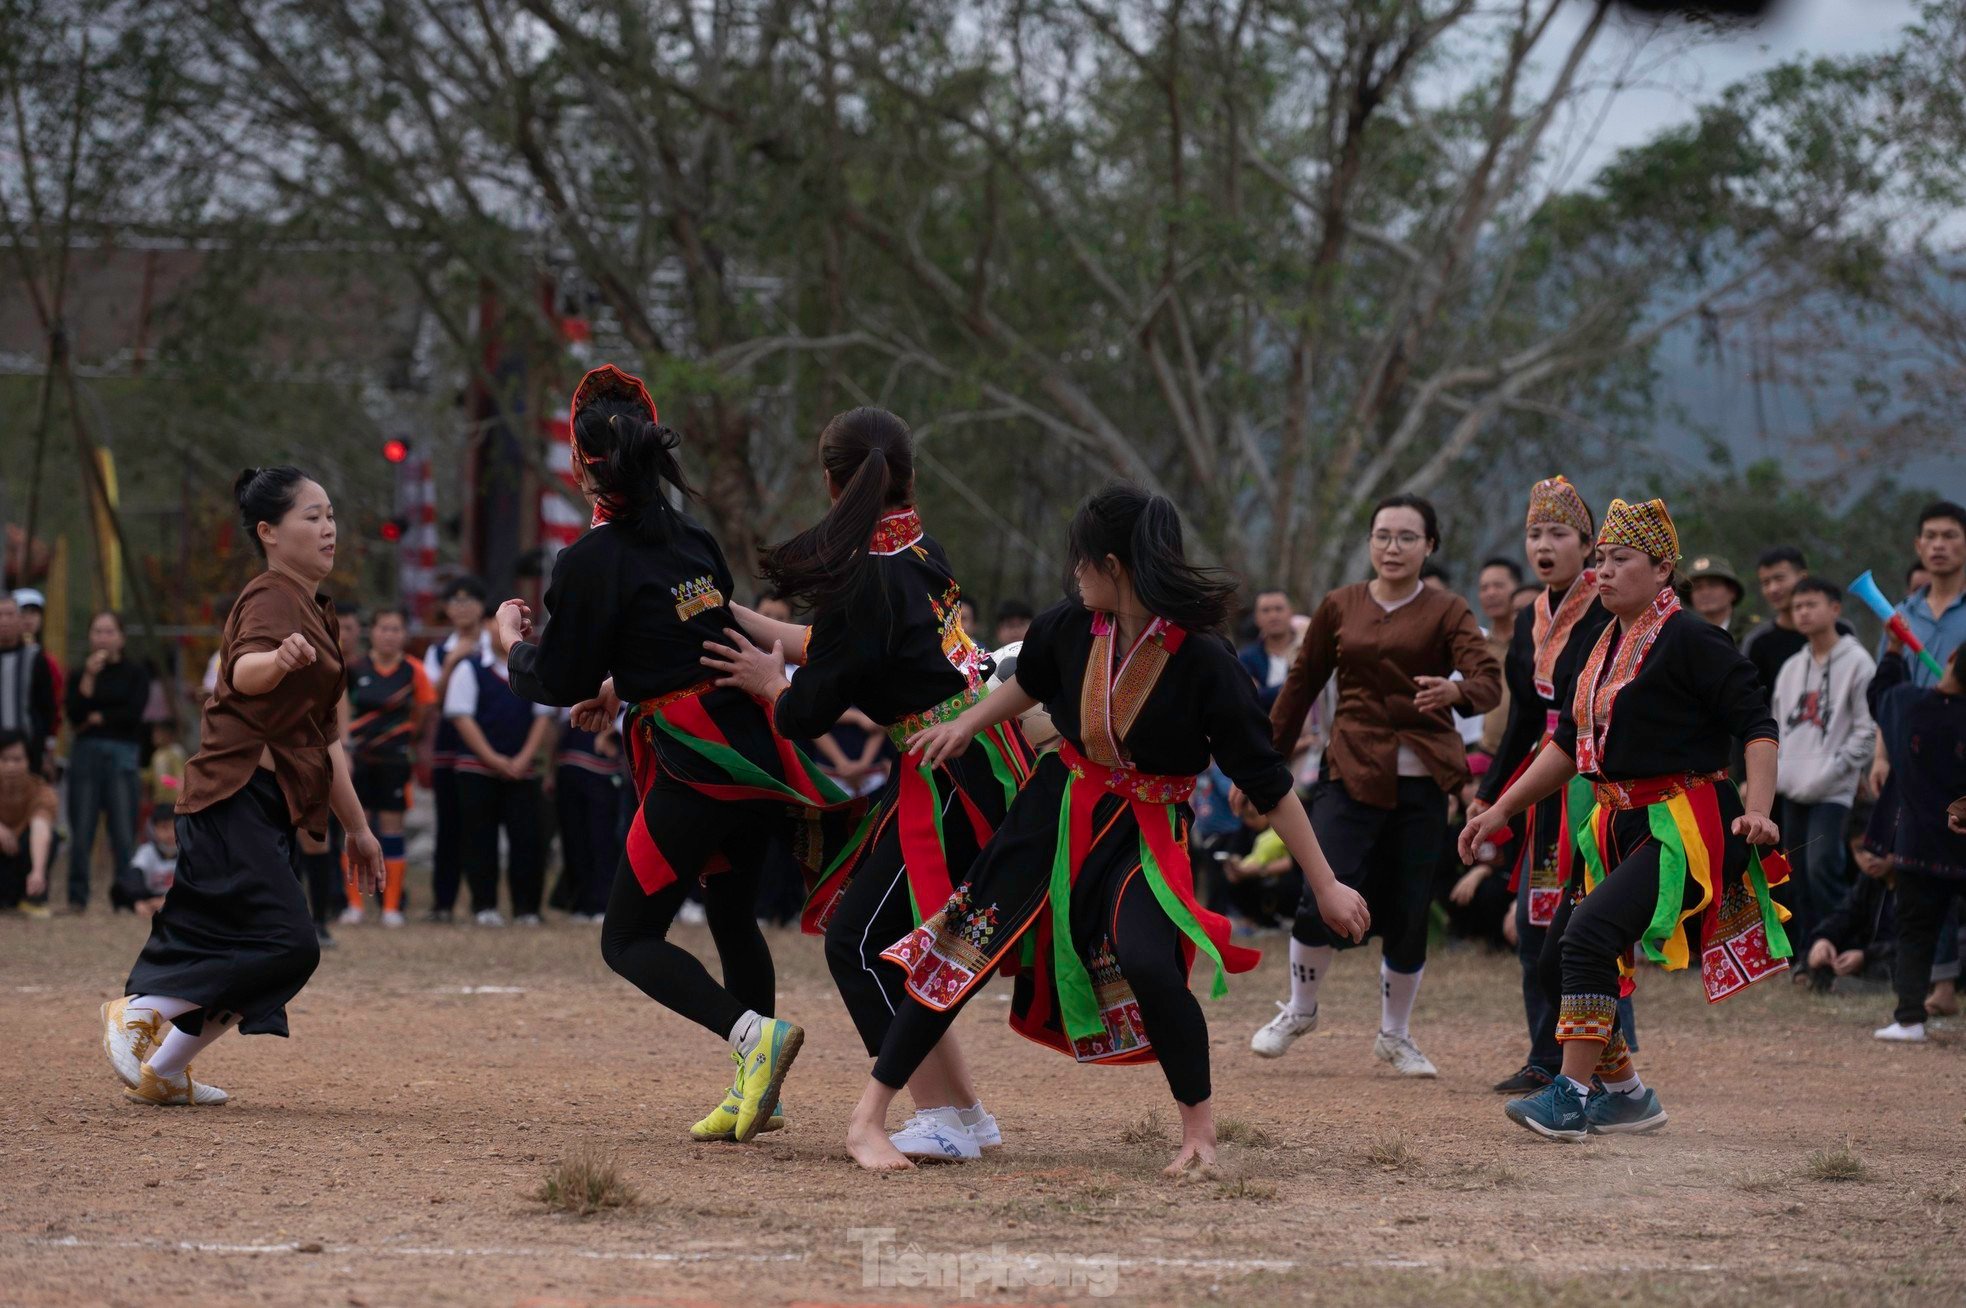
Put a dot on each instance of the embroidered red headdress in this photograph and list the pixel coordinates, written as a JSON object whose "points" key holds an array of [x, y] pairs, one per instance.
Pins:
{"points": [[604, 382]]}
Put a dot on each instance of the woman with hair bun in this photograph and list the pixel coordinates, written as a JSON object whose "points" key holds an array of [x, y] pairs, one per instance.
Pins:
{"points": [[887, 638], [1380, 804], [630, 606], [1087, 881], [234, 941]]}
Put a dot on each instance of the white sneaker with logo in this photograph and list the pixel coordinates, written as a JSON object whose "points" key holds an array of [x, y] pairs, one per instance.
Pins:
{"points": [[1403, 1054], [1289, 1026], [937, 1135]]}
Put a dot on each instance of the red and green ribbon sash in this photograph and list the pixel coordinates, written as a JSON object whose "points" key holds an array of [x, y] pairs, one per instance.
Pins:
{"points": [[1163, 861], [1684, 817]]}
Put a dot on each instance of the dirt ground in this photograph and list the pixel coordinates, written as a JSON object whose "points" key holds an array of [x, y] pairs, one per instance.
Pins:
{"points": [[390, 1152]]}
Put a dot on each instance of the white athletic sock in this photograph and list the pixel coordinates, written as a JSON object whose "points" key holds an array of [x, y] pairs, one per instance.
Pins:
{"points": [[972, 1115], [164, 1006], [1571, 1083], [1397, 991], [1308, 964], [744, 1036], [1631, 1085], [175, 1052]]}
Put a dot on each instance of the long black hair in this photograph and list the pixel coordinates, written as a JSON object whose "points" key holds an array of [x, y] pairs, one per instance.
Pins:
{"points": [[1143, 531], [628, 458], [870, 456], [266, 495]]}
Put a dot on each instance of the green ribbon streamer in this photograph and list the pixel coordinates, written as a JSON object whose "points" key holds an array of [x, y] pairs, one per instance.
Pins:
{"points": [[1077, 1004], [1178, 912]]}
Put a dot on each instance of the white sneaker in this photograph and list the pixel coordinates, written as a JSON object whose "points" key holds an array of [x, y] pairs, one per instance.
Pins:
{"points": [[128, 1036], [982, 1126], [1898, 1033], [937, 1135], [1282, 1031], [392, 918], [529, 919], [1403, 1054], [490, 917], [691, 913], [350, 916]]}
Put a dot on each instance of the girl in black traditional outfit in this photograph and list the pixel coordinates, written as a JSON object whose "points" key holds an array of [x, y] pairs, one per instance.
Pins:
{"points": [[887, 638], [234, 941], [1087, 884], [1545, 650], [630, 605], [1658, 705]]}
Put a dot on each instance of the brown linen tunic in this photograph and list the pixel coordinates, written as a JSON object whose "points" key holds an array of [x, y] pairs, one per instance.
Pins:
{"points": [[1376, 655], [296, 720]]}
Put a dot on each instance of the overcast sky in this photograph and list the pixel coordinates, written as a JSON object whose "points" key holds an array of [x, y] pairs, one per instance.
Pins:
{"points": [[1668, 86]]}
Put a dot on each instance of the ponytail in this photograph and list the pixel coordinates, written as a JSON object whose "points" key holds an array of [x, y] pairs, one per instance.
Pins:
{"points": [[629, 459], [870, 456], [1143, 531]]}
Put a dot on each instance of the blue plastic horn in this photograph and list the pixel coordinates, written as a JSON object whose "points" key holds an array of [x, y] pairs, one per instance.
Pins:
{"points": [[1865, 589]]}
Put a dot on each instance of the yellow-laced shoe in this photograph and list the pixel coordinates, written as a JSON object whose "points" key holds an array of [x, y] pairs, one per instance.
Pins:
{"points": [[178, 1091], [721, 1124], [128, 1036], [763, 1072]]}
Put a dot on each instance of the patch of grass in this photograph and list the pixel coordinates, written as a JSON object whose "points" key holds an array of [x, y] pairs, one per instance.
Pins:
{"points": [[584, 1183], [1393, 1153], [1836, 1165], [1145, 1130], [1243, 1187], [1235, 1131], [1759, 1183], [1946, 1197]]}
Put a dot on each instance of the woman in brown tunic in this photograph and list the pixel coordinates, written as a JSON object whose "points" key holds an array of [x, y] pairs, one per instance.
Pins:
{"points": [[1380, 805], [234, 941]]}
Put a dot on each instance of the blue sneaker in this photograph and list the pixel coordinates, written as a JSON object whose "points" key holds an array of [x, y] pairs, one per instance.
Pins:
{"points": [[1615, 1114], [1555, 1112]]}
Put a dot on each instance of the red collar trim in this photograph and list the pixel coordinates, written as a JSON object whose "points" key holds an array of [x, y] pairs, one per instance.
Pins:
{"points": [[896, 531]]}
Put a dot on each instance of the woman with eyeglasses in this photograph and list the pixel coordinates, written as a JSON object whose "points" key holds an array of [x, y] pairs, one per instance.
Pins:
{"points": [[1380, 803]]}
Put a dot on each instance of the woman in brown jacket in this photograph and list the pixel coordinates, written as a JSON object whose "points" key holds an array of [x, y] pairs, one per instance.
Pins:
{"points": [[1380, 804], [234, 941]]}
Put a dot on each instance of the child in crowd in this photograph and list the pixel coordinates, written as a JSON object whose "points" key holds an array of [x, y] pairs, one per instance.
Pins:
{"points": [[1860, 937], [144, 883]]}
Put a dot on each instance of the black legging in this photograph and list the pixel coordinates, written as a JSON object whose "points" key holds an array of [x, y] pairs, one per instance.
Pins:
{"points": [[634, 943], [873, 912], [1147, 946]]}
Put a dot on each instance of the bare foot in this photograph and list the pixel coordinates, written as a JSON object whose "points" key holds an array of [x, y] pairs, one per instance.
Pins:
{"points": [[1944, 999], [872, 1149], [1193, 1153]]}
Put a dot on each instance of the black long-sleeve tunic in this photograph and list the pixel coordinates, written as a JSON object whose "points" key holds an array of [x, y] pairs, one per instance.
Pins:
{"points": [[1529, 711], [895, 647], [1203, 704], [626, 605], [1694, 696]]}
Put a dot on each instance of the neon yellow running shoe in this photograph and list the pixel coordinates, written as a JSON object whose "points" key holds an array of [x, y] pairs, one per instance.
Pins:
{"points": [[763, 1072], [721, 1124]]}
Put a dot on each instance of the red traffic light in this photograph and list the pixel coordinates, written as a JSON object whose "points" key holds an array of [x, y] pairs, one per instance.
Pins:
{"points": [[395, 450], [392, 529]]}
